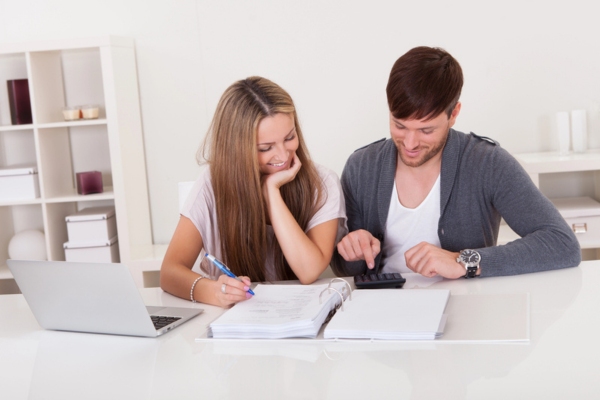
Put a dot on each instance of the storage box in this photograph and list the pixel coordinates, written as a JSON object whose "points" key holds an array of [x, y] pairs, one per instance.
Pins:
{"points": [[100, 251], [583, 216], [93, 224], [19, 184]]}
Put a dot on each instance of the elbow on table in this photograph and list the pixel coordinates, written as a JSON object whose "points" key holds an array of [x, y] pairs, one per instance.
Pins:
{"points": [[164, 276], [307, 279], [575, 256], [570, 256]]}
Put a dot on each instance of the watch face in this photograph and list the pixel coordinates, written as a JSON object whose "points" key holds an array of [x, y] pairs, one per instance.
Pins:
{"points": [[470, 257]]}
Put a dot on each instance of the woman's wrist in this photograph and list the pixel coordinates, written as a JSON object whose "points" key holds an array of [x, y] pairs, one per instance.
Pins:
{"points": [[271, 195], [192, 297]]}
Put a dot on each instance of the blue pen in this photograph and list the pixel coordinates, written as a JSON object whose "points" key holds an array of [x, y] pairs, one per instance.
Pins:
{"points": [[225, 270]]}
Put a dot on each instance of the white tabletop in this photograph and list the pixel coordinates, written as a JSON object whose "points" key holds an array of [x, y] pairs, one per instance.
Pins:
{"points": [[560, 360]]}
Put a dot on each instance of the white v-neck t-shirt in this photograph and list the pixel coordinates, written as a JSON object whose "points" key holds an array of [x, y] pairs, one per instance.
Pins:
{"points": [[407, 227]]}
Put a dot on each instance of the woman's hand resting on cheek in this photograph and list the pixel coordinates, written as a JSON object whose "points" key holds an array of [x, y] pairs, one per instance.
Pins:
{"points": [[278, 179]]}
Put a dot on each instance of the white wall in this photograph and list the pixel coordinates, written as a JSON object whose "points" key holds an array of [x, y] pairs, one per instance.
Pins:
{"points": [[523, 61]]}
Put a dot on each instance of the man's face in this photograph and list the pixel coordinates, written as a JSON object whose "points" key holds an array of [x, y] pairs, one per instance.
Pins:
{"points": [[419, 141]]}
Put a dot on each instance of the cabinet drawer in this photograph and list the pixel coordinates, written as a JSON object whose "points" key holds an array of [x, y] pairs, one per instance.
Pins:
{"points": [[587, 230], [583, 216]]}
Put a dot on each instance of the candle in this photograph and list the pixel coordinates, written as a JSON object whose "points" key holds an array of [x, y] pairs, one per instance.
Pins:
{"points": [[70, 113], [90, 111], [579, 130]]}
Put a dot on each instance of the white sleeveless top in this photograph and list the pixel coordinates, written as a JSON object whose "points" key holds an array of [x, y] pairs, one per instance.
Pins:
{"points": [[407, 227]]}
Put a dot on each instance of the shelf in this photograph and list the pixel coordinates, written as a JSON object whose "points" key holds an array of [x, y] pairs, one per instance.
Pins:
{"points": [[75, 72], [65, 44], [108, 194], [68, 124], [553, 162], [20, 202], [4, 128]]}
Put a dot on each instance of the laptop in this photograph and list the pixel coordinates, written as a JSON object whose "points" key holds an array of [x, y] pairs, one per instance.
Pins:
{"points": [[92, 297]]}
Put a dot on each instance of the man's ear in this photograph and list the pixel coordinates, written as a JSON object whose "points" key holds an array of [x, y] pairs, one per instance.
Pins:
{"points": [[455, 113]]}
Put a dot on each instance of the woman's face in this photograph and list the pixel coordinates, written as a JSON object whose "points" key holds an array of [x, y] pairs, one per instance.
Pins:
{"points": [[277, 141]]}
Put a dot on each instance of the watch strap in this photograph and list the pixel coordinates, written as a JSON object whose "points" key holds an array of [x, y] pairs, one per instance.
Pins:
{"points": [[471, 272]]}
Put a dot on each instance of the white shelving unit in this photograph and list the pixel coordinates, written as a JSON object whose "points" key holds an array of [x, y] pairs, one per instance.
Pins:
{"points": [[560, 176], [77, 72]]}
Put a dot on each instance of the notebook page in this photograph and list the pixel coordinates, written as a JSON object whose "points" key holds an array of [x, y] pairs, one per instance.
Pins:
{"points": [[390, 314], [278, 311]]}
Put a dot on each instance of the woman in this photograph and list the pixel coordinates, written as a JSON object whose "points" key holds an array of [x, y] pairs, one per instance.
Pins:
{"points": [[262, 207]]}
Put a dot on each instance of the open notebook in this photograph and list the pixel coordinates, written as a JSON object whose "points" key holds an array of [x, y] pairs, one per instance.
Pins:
{"points": [[390, 314], [280, 311], [299, 311]]}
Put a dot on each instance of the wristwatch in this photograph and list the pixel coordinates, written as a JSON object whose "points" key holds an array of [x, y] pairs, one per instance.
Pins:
{"points": [[470, 259]]}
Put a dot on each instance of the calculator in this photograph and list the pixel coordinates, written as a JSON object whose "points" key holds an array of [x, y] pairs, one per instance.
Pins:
{"points": [[379, 281]]}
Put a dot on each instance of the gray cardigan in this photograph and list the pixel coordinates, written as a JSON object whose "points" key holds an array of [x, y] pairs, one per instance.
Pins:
{"points": [[480, 184]]}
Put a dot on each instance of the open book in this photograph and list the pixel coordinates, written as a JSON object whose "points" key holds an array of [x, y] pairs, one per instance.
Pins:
{"points": [[399, 314], [281, 311], [299, 311]]}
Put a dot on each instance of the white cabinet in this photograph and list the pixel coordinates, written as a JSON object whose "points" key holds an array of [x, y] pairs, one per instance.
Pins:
{"points": [[574, 175], [100, 71]]}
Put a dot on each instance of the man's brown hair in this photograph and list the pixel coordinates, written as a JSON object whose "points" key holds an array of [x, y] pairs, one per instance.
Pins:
{"points": [[423, 83]]}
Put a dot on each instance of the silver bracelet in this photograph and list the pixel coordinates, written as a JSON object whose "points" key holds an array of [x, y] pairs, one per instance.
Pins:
{"points": [[192, 289]]}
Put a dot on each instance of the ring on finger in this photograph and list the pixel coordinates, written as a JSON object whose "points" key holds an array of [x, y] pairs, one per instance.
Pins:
{"points": [[224, 288]]}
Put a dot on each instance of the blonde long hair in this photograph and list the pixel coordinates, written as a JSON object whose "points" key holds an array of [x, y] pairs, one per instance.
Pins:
{"points": [[230, 149]]}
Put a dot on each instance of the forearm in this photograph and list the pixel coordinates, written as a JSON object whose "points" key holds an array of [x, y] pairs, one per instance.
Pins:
{"points": [[538, 251], [176, 275], [178, 279], [307, 259]]}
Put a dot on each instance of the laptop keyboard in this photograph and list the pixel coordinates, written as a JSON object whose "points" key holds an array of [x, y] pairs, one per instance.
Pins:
{"points": [[160, 321]]}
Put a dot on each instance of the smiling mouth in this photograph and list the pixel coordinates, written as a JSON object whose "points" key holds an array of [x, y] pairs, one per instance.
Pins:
{"points": [[277, 165], [412, 152]]}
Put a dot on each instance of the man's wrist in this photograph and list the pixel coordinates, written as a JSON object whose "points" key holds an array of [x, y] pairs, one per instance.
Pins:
{"points": [[470, 260]]}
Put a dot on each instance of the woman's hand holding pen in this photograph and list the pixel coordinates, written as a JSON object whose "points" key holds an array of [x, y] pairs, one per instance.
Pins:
{"points": [[229, 291]]}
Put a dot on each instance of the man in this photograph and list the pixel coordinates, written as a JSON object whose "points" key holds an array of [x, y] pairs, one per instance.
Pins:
{"points": [[430, 199]]}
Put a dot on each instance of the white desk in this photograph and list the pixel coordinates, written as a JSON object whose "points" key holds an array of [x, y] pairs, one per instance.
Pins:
{"points": [[560, 361]]}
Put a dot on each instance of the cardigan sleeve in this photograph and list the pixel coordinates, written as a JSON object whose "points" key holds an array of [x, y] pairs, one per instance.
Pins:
{"points": [[546, 242], [350, 182]]}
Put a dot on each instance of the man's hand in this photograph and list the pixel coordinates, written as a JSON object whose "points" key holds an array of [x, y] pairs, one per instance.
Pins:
{"points": [[359, 245], [429, 260]]}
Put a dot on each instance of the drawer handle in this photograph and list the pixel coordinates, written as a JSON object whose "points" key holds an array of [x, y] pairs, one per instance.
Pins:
{"points": [[580, 228]]}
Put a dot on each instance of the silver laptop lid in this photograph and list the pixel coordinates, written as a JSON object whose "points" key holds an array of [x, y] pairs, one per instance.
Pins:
{"points": [[83, 297]]}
